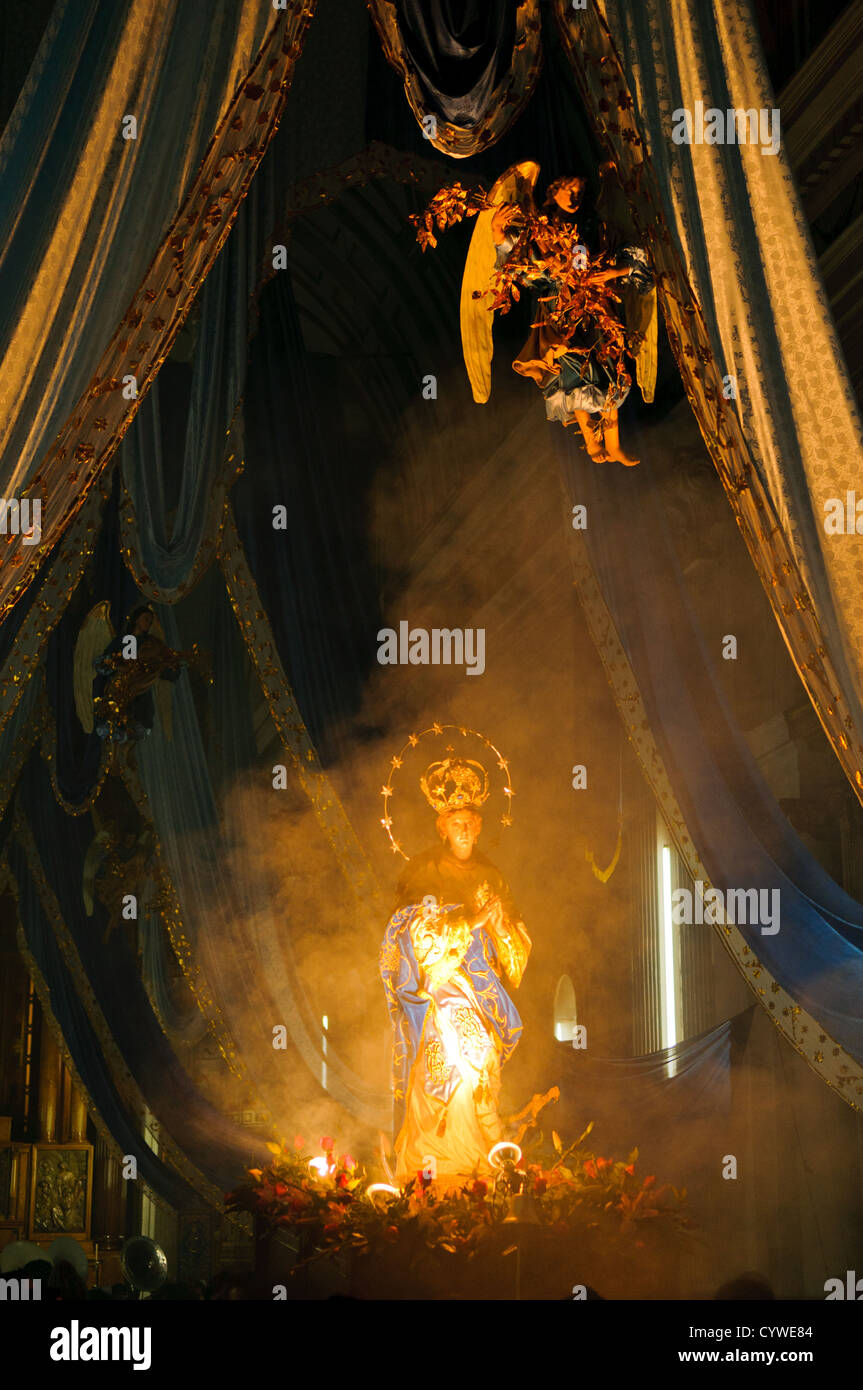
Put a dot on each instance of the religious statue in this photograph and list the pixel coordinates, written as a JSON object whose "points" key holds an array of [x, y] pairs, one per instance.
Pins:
{"points": [[578, 344], [120, 679], [454, 948]]}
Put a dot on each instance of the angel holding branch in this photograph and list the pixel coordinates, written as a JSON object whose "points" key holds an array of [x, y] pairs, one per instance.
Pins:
{"points": [[578, 345]]}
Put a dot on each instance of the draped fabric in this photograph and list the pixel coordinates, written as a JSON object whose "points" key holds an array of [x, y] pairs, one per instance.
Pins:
{"points": [[741, 298], [727, 826], [77, 762], [199, 1142], [103, 250], [24, 633], [120, 1126], [469, 69], [636, 1099], [229, 902], [165, 526]]}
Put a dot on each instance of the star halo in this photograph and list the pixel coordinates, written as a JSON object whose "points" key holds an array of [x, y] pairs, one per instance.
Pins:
{"points": [[437, 731]]}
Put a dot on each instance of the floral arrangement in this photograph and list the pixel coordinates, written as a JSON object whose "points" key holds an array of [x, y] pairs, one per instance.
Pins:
{"points": [[329, 1206]]}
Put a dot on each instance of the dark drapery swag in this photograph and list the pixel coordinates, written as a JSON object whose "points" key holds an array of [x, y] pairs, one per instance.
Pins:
{"points": [[461, 48], [469, 67], [633, 1100]]}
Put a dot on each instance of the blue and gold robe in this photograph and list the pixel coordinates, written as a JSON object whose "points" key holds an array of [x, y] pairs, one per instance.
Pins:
{"points": [[454, 1023]]}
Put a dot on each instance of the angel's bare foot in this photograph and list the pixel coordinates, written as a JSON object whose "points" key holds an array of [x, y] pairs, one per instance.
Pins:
{"points": [[613, 445], [626, 459], [592, 434]]}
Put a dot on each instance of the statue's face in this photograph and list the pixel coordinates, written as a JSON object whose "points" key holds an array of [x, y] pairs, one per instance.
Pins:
{"points": [[568, 195], [462, 833]]}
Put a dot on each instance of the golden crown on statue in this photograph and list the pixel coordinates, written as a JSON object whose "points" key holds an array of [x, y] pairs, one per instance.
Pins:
{"points": [[455, 784]]}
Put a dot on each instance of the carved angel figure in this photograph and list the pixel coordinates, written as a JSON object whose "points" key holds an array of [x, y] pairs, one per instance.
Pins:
{"points": [[122, 680], [583, 331]]}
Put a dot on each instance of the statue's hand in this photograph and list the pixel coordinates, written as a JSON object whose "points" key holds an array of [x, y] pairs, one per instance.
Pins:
{"points": [[501, 219], [486, 912]]}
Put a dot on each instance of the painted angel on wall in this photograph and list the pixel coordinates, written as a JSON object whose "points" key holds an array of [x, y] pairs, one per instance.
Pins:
{"points": [[584, 331]]}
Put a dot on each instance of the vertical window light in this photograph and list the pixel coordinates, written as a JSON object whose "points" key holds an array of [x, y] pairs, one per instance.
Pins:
{"points": [[565, 1013], [669, 973]]}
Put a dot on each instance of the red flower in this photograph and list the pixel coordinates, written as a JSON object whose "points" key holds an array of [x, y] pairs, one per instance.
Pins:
{"points": [[479, 1188], [590, 1168], [539, 1186], [327, 1145], [280, 1189], [424, 1178], [348, 1162], [603, 1163], [342, 1180], [630, 1169], [391, 1234], [648, 1182], [299, 1143]]}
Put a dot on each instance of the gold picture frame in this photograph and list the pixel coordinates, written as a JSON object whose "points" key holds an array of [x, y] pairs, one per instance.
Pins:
{"points": [[61, 1190]]}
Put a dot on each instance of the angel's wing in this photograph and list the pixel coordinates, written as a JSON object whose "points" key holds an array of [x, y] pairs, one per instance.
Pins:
{"points": [[642, 321], [639, 309], [162, 691], [514, 186], [95, 634]]}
